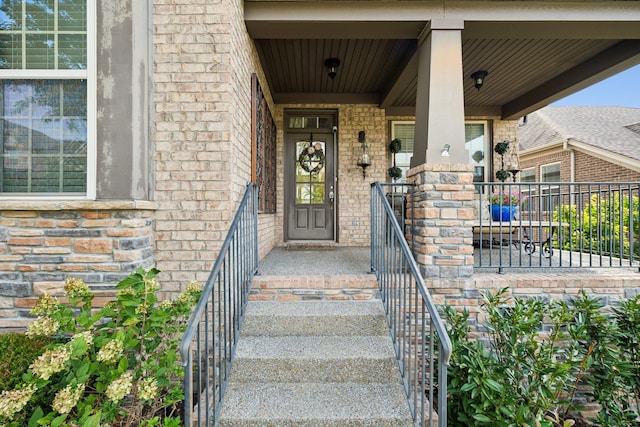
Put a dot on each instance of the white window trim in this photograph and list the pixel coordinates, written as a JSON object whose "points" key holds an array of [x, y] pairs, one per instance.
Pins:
{"points": [[90, 75], [487, 150], [548, 192], [487, 137], [403, 179], [546, 165], [528, 169]]}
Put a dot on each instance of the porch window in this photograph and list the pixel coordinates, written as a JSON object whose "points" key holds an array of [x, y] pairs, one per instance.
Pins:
{"points": [[476, 143], [404, 131], [528, 175], [550, 173], [475, 140], [46, 94]]}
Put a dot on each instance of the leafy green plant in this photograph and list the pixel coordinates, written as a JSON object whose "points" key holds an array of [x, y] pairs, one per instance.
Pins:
{"points": [[534, 357], [502, 148], [17, 352], [522, 374], [613, 372], [604, 225], [395, 172], [395, 145], [628, 320], [117, 366]]}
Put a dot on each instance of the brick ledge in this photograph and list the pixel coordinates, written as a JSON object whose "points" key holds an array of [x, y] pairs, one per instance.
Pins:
{"points": [[68, 205]]}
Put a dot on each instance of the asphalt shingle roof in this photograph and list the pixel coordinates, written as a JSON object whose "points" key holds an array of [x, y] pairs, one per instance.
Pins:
{"points": [[616, 129]]}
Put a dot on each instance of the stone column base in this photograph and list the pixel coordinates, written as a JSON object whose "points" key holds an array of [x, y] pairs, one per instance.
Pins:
{"points": [[441, 213]]}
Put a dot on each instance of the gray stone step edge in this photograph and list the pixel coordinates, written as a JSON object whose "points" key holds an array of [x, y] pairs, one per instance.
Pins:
{"points": [[319, 404]]}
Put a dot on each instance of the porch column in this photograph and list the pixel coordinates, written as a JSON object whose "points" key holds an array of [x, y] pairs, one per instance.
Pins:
{"points": [[441, 211], [440, 97]]}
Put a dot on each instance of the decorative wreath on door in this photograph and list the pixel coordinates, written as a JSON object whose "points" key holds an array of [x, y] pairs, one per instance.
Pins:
{"points": [[310, 156]]}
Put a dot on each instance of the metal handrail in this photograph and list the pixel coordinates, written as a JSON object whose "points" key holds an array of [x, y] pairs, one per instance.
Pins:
{"points": [[208, 345], [414, 321]]}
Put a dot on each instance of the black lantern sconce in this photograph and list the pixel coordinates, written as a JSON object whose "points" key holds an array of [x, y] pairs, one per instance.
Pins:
{"points": [[332, 66], [364, 160], [478, 78]]}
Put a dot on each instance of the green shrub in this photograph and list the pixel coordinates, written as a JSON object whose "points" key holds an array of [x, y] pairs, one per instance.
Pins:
{"points": [[17, 352], [117, 366], [536, 354], [615, 364], [603, 226], [521, 375]]}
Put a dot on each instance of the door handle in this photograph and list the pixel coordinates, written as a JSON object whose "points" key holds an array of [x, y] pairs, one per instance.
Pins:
{"points": [[331, 196]]}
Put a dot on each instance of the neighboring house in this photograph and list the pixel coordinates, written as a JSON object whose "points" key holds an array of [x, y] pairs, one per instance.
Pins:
{"points": [[166, 109], [580, 144]]}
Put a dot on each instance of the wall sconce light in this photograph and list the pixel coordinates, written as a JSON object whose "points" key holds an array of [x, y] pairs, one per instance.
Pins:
{"points": [[364, 160], [332, 66], [478, 78], [445, 150]]}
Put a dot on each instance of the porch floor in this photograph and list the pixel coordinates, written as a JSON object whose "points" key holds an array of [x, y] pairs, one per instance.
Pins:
{"points": [[328, 260], [357, 260]]}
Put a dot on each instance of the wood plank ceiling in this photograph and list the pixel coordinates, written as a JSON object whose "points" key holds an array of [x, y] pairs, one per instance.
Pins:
{"points": [[529, 64]]}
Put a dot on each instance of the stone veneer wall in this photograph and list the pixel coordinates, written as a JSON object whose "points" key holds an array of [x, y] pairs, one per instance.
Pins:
{"points": [[441, 213], [43, 243]]}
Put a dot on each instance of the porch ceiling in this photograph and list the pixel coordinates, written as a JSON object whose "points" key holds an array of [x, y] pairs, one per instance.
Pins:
{"points": [[535, 52]]}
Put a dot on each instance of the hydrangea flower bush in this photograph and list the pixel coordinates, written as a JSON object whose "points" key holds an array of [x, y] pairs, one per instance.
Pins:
{"points": [[116, 366]]}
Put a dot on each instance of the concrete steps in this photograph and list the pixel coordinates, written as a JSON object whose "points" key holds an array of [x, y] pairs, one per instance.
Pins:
{"points": [[315, 363]]}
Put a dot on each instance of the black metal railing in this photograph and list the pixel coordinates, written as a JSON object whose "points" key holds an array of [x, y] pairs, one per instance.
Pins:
{"points": [[557, 225], [419, 336], [209, 342]]}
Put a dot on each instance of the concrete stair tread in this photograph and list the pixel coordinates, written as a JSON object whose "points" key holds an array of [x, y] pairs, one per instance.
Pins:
{"points": [[315, 363], [314, 308], [315, 404], [314, 359], [347, 318], [333, 347]]}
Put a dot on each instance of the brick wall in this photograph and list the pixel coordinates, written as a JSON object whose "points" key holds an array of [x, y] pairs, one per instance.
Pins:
{"points": [[203, 65], [101, 243], [590, 168], [564, 157], [610, 286], [353, 190]]}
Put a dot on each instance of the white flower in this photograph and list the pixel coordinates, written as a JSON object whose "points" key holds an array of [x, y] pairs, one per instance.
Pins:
{"points": [[51, 362], [119, 388], [12, 401], [44, 326], [67, 398], [111, 352], [148, 389]]}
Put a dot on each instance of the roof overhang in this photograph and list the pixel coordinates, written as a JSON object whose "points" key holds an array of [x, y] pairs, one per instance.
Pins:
{"points": [[536, 52]]}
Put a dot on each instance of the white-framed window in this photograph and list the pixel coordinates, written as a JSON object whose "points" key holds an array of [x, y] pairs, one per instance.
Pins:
{"points": [[47, 98], [528, 175], [405, 132], [550, 173], [476, 140]]}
